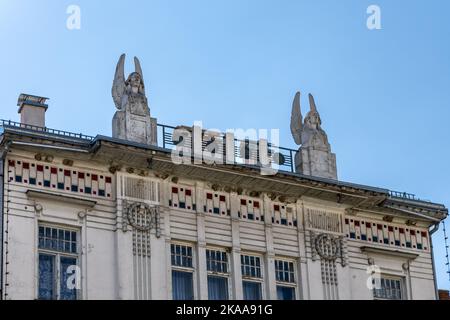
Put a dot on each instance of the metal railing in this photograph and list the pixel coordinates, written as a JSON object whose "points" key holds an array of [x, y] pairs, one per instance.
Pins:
{"points": [[56, 132], [282, 158], [407, 196], [403, 195], [245, 151]]}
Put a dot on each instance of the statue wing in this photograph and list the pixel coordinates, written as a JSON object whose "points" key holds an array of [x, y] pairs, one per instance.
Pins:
{"points": [[296, 120], [138, 69], [118, 88]]}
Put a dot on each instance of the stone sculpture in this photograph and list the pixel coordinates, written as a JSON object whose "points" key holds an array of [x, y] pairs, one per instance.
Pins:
{"points": [[314, 156], [132, 119]]}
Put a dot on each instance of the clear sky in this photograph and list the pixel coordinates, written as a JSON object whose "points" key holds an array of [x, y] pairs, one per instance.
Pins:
{"points": [[383, 94]]}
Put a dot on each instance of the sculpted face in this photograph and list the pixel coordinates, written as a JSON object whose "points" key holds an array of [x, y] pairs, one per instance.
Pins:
{"points": [[134, 80], [313, 120]]}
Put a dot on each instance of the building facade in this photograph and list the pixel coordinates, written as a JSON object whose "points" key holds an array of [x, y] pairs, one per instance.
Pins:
{"points": [[117, 218]]}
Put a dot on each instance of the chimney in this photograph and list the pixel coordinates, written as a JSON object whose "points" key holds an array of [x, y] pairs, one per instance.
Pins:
{"points": [[32, 110]]}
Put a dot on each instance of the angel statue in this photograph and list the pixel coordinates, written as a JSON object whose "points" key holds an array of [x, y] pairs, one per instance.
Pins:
{"points": [[314, 156], [132, 119]]}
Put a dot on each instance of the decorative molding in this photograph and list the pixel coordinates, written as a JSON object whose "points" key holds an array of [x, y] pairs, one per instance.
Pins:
{"points": [[62, 179], [386, 234], [328, 248], [390, 252], [142, 217], [32, 194]]}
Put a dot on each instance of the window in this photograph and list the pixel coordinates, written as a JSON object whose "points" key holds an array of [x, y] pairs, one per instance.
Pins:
{"points": [[252, 277], [182, 272], [285, 277], [217, 266], [252, 290], [251, 266], [389, 289], [58, 264]]}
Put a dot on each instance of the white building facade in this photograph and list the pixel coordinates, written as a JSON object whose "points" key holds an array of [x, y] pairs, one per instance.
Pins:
{"points": [[153, 230], [109, 218]]}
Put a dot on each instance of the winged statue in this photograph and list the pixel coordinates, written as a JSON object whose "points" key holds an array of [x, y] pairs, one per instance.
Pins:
{"points": [[132, 119], [308, 131], [123, 89]]}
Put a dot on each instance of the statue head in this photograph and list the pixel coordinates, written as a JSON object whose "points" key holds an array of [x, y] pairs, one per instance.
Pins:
{"points": [[134, 83], [312, 119]]}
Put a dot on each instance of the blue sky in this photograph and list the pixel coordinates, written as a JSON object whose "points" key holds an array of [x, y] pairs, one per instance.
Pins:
{"points": [[383, 94]]}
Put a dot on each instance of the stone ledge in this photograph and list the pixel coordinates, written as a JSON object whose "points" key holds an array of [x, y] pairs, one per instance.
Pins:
{"points": [[59, 197]]}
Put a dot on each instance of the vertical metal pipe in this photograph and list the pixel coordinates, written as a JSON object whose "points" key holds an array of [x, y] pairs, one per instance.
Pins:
{"points": [[2, 214]]}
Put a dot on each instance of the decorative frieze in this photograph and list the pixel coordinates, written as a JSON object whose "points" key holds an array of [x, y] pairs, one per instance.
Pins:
{"points": [[387, 234], [283, 214], [250, 209], [182, 197], [138, 189], [60, 178], [323, 220], [217, 203]]}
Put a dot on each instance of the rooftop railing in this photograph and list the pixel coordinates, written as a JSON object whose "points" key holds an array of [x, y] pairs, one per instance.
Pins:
{"points": [[406, 196], [56, 132], [245, 151], [282, 158]]}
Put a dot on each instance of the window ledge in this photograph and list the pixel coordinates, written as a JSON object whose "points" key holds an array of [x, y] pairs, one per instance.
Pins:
{"points": [[32, 194], [390, 252]]}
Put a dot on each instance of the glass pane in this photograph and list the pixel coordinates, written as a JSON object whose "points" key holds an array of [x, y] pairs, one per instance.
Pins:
{"points": [[67, 246], [46, 277], [189, 262], [182, 285], [285, 293], [217, 288], [68, 278], [41, 242], [252, 290], [247, 271]]}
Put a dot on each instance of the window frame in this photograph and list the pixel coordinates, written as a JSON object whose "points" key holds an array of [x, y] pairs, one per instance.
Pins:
{"points": [[57, 255], [286, 284], [183, 268], [226, 275], [259, 280], [400, 279]]}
